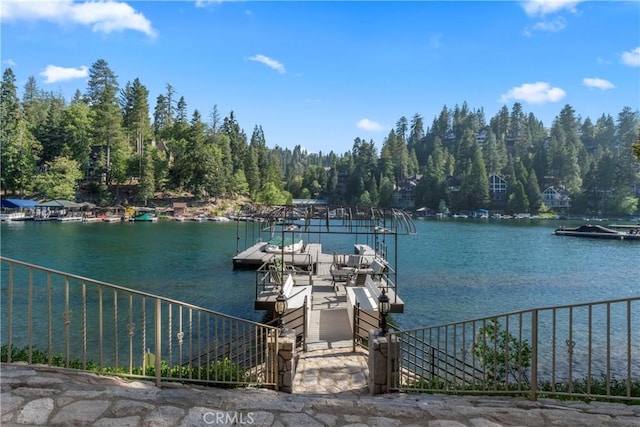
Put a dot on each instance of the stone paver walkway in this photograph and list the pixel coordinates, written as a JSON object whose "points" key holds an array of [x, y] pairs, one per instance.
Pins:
{"points": [[34, 395], [334, 371]]}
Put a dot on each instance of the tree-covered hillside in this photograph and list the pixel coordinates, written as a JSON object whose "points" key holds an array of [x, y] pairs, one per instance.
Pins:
{"points": [[110, 136]]}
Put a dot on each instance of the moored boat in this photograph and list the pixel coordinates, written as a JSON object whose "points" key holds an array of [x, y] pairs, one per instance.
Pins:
{"points": [[278, 245], [598, 232], [144, 215], [70, 218]]}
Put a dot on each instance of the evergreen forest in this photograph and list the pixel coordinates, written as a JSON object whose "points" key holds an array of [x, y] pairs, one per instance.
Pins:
{"points": [[113, 136]]}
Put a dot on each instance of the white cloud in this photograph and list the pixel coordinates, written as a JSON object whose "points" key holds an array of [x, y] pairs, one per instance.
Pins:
{"points": [[369, 125], [435, 41], [632, 57], [534, 93], [598, 83], [546, 7], [206, 3], [100, 16], [10, 62], [554, 26], [271, 63], [54, 74]]}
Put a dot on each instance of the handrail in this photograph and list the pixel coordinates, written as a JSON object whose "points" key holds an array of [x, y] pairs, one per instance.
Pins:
{"points": [[363, 322], [61, 318], [268, 279], [295, 319], [584, 350]]}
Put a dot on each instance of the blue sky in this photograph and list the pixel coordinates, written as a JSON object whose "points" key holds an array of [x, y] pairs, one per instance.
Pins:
{"points": [[320, 74]]}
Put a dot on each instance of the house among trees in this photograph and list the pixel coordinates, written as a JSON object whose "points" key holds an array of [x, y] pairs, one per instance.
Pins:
{"points": [[556, 198], [179, 209], [497, 189], [404, 196], [481, 137]]}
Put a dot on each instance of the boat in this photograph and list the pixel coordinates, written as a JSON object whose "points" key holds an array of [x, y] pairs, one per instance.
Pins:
{"points": [[287, 245], [111, 218], [70, 218], [598, 232], [89, 219], [144, 215]]}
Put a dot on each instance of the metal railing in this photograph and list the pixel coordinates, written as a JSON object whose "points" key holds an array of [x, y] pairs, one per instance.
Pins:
{"points": [[583, 351], [270, 276], [71, 321], [363, 322], [296, 319]]}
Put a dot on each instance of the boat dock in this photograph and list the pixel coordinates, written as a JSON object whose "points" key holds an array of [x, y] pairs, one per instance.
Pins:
{"points": [[332, 293], [254, 257]]}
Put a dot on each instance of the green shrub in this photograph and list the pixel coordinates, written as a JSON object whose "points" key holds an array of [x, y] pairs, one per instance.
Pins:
{"points": [[502, 354], [217, 370]]}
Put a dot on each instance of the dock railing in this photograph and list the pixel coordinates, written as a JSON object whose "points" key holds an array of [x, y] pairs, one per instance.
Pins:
{"points": [[296, 319], [271, 276], [363, 322], [59, 319], [589, 350]]}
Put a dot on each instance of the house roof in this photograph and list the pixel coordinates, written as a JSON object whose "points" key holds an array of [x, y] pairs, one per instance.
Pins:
{"points": [[60, 204], [18, 203]]}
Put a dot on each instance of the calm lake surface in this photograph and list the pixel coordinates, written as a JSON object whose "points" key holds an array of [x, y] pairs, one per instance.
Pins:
{"points": [[451, 270]]}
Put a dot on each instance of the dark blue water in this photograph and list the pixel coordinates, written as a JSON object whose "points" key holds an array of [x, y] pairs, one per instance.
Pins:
{"points": [[451, 270], [460, 269]]}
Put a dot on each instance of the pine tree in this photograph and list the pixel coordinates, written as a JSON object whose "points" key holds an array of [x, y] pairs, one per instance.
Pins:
{"points": [[102, 89], [20, 150]]}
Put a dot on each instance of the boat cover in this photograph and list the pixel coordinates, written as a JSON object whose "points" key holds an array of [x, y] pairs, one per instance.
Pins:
{"points": [[18, 203]]}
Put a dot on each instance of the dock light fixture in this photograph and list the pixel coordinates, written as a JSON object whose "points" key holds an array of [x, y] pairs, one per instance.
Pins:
{"points": [[384, 306], [280, 309]]}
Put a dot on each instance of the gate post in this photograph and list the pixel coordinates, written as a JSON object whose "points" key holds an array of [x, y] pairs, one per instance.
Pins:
{"points": [[383, 362], [283, 350]]}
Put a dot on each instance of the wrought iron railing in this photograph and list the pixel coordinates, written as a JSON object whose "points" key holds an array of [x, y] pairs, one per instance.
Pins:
{"points": [[62, 319], [296, 319], [584, 350], [363, 322], [271, 276]]}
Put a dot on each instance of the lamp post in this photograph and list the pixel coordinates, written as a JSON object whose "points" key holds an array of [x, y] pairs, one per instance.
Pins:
{"points": [[281, 308], [384, 306]]}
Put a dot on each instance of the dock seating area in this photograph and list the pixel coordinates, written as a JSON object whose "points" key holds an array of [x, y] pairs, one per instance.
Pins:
{"points": [[365, 285], [344, 267], [276, 276]]}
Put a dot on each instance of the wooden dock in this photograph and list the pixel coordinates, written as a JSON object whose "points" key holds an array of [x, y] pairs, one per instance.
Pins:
{"points": [[328, 295], [329, 306], [254, 257], [329, 325]]}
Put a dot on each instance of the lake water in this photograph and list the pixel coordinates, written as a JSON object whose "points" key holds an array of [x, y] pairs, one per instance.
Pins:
{"points": [[451, 270]]}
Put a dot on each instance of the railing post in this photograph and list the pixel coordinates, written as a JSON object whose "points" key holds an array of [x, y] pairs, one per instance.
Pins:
{"points": [[304, 325], [274, 359], [355, 325], [10, 314], [534, 355], [158, 340], [30, 317]]}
